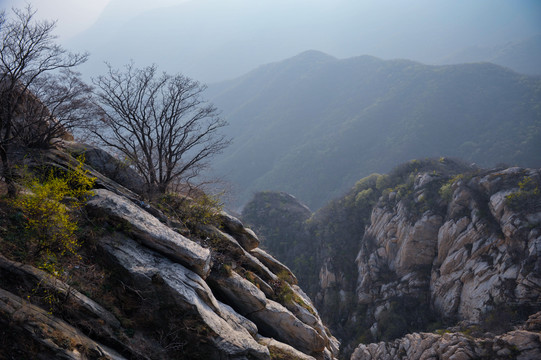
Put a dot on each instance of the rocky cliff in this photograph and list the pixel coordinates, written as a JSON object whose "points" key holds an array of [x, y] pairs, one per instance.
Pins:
{"points": [[440, 247], [521, 343], [152, 280], [475, 250]]}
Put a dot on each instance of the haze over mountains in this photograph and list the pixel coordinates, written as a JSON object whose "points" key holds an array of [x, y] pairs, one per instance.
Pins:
{"points": [[312, 125], [214, 40], [521, 56], [332, 120], [437, 258], [329, 121]]}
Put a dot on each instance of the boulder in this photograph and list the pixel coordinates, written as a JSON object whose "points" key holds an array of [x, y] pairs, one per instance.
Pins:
{"points": [[230, 332], [281, 350], [233, 226], [274, 265], [236, 320], [271, 318], [245, 296], [46, 336], [276, 321], [230, 245], [150, 231]]}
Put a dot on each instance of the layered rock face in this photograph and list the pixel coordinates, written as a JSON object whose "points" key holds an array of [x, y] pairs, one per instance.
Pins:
{"points": [[209, 293], [522, 343], [462, 249], [492, 256]]}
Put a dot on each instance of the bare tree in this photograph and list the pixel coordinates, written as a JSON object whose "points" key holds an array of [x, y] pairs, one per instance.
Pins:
{"points": [[159, 123], [58, 104], [40, 97]]}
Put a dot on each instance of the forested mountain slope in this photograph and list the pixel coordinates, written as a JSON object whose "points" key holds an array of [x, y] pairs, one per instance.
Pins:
{"points": [[312, 125]]}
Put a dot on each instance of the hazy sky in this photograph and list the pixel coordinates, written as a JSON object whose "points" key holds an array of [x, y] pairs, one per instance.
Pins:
{"points": [[213, 40], [74, 16]]}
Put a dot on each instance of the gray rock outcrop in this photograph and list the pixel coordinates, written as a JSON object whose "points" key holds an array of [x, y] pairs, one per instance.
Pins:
{"points": [[107, 165], [478, 255], [150, 231], [185, 264], [246, 237], [521, 344], [188, 290]]}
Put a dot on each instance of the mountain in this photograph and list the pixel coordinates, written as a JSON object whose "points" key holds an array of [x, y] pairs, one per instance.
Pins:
{"points": [[170, 278], [521, 56], [434, 258], [312, 125], [215, 40]]}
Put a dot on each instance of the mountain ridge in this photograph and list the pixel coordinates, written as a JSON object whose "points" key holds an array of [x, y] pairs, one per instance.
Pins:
{"points": [[212, 40], [292, 119], [511, 54]]}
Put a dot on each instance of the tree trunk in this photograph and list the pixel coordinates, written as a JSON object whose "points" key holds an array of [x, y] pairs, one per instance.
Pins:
{"points": [[7, 172]]}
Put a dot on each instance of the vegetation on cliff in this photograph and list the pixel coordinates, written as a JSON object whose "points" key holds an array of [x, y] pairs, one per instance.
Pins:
{"points": [[378, 257]]}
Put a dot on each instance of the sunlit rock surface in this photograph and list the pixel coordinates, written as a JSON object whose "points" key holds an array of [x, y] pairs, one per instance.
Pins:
{"points": [[210, 293], [479, 255]]}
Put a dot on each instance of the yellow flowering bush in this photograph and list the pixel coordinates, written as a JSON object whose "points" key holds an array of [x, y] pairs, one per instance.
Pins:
{"points": [[49, 223]]}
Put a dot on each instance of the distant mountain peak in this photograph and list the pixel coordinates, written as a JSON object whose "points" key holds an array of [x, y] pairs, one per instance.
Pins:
{"points": [[314, 55], [311, 57]]}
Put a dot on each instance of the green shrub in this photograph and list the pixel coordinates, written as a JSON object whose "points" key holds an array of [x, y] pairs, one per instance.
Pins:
{"points": [[363, 196], [227, 270], [286, 276], [383, 182], [446, 190], [528, 197], [192, 211], [282, 290]]}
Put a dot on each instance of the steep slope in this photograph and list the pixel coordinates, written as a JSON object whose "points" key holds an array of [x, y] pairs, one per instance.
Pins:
{"points": [[166, 279], [433, 244], [477, 261], [294, 119]]}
